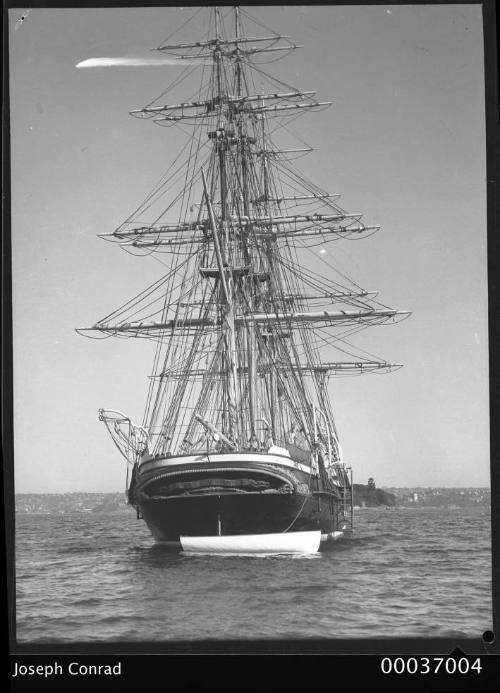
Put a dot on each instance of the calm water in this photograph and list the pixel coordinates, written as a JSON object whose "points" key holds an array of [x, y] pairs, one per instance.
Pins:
{"points": [[404, 573]]}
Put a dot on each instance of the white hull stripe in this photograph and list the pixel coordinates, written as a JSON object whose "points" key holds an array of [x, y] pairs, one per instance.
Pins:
{"points": [[236, 458]]}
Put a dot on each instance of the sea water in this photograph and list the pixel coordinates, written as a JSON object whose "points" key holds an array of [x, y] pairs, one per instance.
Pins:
{"points": [[403, 573]]}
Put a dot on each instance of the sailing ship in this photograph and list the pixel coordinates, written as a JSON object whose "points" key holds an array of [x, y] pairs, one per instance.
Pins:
{"points": [[238, 448]]}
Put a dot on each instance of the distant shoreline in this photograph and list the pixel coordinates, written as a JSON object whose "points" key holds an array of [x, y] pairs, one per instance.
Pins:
{"points": [[416, 506], [359, 508], [389, 489], [89, 503]]}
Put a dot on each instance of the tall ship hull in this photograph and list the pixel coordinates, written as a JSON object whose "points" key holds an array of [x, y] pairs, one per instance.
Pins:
{"points": [[236, 495], [238, 449]]}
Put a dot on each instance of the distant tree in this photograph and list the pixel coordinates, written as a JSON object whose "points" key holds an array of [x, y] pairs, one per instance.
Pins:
{"points": [[372, 497], [371, 493]]}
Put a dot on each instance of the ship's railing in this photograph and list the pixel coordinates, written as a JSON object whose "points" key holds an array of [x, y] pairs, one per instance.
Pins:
{"points": [[209, 447]]}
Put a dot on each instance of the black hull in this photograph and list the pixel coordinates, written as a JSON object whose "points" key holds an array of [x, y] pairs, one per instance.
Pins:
{"points": [[234, 494], [233, 514]]}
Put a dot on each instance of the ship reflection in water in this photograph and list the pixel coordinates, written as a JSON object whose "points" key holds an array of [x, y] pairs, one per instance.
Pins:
{"points": [[98, 578]]}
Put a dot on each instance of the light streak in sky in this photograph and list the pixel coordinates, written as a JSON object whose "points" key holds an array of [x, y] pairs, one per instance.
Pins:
{"points": [[136, 62]]}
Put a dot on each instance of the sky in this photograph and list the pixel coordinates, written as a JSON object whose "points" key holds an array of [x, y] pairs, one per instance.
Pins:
{"points": [[404, 142]]}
